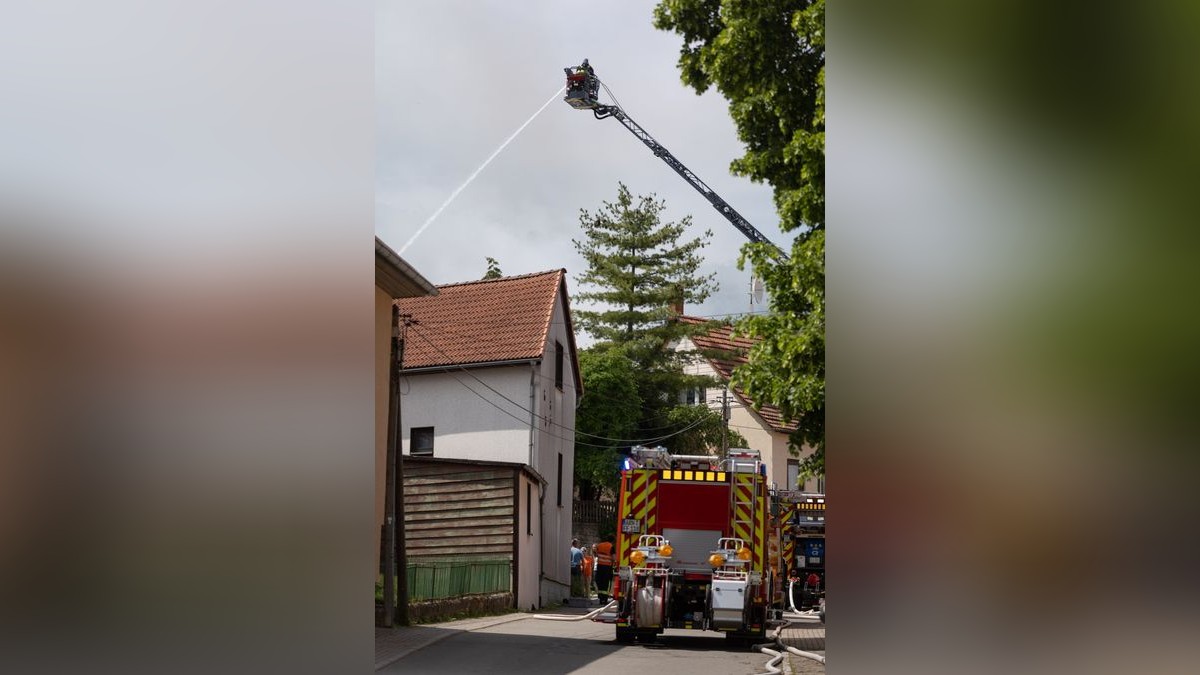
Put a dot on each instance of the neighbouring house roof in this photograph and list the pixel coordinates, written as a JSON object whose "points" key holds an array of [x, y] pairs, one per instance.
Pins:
{"points": [[488, 321], [725, 352], [396, 277]]}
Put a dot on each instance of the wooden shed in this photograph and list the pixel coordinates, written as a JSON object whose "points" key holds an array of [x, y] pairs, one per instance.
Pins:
{"points": [[472, 528]]}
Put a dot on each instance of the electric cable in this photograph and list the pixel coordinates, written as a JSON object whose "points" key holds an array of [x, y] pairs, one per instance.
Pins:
{"points": [[622, 441], [612, 95], [650, 441], [441, 327]]}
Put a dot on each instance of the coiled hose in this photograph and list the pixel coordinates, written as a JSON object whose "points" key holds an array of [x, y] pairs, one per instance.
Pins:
{"points": [[776, 650]]}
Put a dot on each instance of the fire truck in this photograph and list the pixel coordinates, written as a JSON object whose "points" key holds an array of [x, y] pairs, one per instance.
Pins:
{"points": [[692, 545], [801, 520]]}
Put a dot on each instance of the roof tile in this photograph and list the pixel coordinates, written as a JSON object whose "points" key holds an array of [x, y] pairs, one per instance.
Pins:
{"points": [[482, 321], [733, 350]]}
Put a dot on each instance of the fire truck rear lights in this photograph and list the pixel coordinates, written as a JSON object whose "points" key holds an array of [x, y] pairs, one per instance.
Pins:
{"points": [[743, 553], [694, 476], [666, 550], [716, 560], [637, 557]]}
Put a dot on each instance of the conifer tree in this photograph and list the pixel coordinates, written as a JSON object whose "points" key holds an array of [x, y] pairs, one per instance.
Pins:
{"points": [[493, 269], [638, 269]]}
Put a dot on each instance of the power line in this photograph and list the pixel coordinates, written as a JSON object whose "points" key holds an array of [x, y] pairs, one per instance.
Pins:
{"points": [[501, 395], [622, 441], [442, 328], [552, 435], [643, 408]]}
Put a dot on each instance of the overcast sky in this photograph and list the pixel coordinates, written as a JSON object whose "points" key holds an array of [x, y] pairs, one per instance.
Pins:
{"points": [[455, 78]]}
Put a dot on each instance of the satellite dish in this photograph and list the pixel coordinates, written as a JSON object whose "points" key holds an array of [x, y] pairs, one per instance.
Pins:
{"points": [[756, 289]]}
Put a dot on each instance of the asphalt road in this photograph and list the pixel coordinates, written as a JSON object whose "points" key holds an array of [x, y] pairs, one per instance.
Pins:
{"points": [[539, 647]]}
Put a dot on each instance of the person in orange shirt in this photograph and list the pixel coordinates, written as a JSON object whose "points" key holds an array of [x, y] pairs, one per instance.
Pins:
{"points": [[588, 562]]}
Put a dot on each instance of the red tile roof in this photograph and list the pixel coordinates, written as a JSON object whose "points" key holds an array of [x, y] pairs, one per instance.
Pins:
{"points": [[483, 321], [732, 353]]}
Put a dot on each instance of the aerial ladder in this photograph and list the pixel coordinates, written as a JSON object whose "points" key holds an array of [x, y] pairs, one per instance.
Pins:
{"points": [[583, 90]]}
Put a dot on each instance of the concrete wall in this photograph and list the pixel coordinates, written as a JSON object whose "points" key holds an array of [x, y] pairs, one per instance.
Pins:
{"points": [[453, 608]]}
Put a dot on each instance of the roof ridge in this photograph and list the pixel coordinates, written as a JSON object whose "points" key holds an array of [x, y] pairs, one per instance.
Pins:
{"points": [[482, 321], [739, 347], [558, 285], [499, 279]]}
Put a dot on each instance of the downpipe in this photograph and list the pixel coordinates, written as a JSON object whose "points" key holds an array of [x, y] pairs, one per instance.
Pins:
{"points": [[581, 617]]}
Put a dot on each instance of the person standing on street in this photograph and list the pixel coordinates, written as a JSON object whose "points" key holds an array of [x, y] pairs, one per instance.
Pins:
{"points": [[604, 568], [576, 569], [588, 565]]}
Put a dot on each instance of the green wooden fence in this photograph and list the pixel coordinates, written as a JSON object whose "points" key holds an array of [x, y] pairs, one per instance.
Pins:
{"points": [[449, 578]]}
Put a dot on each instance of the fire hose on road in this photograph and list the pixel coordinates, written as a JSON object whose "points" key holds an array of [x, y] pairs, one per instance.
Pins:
{"points": [[776, 654], [777, 649], [581, 617]]}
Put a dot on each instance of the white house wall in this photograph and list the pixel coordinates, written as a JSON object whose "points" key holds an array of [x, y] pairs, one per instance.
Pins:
{"points": [[555, 434], [465, 425]]}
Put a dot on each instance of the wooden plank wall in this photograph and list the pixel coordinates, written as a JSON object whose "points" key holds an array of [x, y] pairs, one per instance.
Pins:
{"points": [[453, 509]]}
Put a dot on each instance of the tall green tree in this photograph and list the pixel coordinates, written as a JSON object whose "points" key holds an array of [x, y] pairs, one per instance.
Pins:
{"points": [[767, 58], [638, 268]]}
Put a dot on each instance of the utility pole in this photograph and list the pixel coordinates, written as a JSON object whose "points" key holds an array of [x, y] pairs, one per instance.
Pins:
{"points": [[395, 556], [725, 418]]}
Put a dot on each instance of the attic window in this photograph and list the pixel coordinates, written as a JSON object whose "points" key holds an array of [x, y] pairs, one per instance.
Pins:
{"points": [[421, 442], [558, 365]]}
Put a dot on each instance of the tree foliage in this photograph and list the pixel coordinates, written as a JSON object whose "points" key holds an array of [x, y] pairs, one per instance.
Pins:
{"points": [[707, 431], [767, 58], [610, 409], [493, 269], [638, 267]]}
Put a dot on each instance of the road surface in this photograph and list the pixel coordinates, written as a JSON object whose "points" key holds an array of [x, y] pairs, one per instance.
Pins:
{"points": [[538, 647]]}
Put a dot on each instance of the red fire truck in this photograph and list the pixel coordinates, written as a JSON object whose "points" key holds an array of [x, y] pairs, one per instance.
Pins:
{"points": [[692, 545]]}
